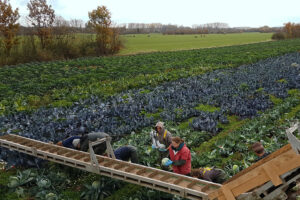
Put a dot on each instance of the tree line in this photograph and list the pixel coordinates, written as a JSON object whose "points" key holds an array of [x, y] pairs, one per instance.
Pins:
{"points": [[50, 37], [289, 31], [208, 28]]}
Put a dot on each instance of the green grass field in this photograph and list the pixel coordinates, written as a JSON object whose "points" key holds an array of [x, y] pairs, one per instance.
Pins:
{"points": [[140, 43]]}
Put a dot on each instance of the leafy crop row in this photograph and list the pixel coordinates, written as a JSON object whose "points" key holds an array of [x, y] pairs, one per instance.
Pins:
{"points": [[29, 86], [200, 105], [243, 91], [232, 148]]}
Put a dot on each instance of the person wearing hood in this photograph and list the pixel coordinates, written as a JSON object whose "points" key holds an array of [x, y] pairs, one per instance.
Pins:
{"points": [[161, 139], [180, 157]]}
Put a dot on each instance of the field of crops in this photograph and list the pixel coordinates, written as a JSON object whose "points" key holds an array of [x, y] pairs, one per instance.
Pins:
{"points": [[139, 43], [220, 100]]}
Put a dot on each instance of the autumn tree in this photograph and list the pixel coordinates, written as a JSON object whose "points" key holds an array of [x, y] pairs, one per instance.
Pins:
{"points": [[292, 30], [41, 16], [107, 38], [288, 28], [8, 25]]}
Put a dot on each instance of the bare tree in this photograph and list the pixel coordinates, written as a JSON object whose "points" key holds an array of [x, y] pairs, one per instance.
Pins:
{"points": [[76, 23], [8, 24], [41, 16]]}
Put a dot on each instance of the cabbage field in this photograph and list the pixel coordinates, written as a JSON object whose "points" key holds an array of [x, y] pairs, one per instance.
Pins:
{"points": [[220, 100]]}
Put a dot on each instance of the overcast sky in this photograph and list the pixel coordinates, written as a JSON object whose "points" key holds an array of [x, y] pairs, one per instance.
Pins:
{"points": [[237, 13]]}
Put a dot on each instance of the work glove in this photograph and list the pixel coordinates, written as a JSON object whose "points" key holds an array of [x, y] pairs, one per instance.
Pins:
{"points": [[152, 134], [168, 163]]}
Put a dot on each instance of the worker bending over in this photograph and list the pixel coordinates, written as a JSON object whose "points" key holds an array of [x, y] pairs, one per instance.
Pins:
{"points": [[82, 142], [126, 153], [210, 174]]}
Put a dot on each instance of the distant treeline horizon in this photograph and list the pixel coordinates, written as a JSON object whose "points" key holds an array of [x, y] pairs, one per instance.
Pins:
{"points": [[78, 26]]}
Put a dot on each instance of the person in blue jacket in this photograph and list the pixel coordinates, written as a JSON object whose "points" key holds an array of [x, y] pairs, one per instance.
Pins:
{"points": [[126, 152], [71, 142], [82, 142]]}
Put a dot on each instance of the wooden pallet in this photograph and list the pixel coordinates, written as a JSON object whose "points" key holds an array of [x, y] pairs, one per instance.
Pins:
{"points": [[172, 183], [270, 192], [270, 169]]}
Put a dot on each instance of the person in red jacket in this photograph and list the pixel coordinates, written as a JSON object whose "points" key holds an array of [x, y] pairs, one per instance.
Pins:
{"points": [[180, 157]]}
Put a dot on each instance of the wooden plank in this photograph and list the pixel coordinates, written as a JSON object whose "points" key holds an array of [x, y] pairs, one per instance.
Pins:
{"points": [[5, 137], [205, 188], [250, 184], [293, 128], [141, 171], [271, 172], [38, 146], [19, 140], [109, 163], [130, 168], [53, 150], [254, 179], [25, 142], [100, 160], [177, 181], [191, 184], [293, 140], [244, 177], [86, 159], [165, 177], [62, 152], [260, 162], [120, 166], [50, 149], [153, 174], [227, 193], [77, 156], [70, 154], [222, 197], [46, 147]]}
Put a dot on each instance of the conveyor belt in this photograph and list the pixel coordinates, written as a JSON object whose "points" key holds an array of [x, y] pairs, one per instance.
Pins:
{"points": [[172, 183], [267, 179]]}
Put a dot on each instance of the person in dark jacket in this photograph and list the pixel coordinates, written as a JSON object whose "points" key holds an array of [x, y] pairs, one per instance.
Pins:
{"points": [[259, 150], [70, 142], [93, 136], [82, 142], [180, 157], [126, 152], [210, 174]]}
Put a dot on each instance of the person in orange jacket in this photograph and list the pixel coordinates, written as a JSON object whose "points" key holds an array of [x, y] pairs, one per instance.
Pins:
{"points": [[180, 157]]}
